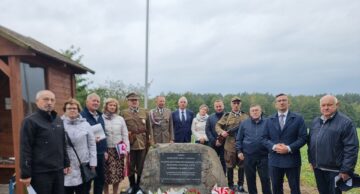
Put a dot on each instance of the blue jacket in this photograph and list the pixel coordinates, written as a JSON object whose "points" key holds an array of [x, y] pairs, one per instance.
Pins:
{"points": [[248, 139], [333, 144], [182, 131], [101, 146], [293, 134], [210, 128]]}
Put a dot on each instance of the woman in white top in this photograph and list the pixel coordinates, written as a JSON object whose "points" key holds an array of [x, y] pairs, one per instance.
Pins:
{"points": [[198, 125], [80, 135], [116, 132]]}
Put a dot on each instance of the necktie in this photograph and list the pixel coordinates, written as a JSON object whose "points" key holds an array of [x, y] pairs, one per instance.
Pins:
{"points": [[134, 110], [282, 121], [182, 117]]}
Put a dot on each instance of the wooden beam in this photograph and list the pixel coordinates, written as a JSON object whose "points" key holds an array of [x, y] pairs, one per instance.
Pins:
{"points": [[17, 114], [4, 68], [9, 48]]}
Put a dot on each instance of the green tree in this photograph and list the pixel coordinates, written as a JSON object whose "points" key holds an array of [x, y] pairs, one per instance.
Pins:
{"points": [[82, 83], [118, 90]]}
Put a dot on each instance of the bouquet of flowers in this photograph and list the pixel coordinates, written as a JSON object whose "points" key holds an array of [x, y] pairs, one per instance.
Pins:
{"points": [[178, 191], [221, 190]]}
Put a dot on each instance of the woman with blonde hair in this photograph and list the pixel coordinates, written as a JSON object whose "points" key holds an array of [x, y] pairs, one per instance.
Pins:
{"points": [[116, 132], [198, 125]]}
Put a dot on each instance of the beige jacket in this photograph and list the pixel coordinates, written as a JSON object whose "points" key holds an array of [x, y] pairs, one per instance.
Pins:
{"points": [[161, 126]]}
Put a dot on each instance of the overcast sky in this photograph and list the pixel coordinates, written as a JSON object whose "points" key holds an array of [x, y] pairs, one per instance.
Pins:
{"points": [[205, 46]]}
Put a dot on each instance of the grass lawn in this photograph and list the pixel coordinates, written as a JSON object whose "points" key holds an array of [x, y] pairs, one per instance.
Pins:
{"points": [[307, 176]]}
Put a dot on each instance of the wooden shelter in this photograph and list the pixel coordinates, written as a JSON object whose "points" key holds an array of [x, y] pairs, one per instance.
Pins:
{"points": [[27, 66]]}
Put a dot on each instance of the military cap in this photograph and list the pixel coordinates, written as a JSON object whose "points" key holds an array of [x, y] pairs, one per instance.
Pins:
{"points": [[233, 99], [132, 96]]}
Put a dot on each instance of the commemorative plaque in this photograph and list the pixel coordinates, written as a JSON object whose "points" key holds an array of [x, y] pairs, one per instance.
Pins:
{"points": [[180, 168], [182, 165]]}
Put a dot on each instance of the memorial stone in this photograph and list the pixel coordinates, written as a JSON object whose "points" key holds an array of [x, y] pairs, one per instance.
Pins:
{"points": [[182, 165]]}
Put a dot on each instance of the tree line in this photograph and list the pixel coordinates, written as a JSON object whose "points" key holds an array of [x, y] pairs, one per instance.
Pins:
{"points": [[306, 105]]}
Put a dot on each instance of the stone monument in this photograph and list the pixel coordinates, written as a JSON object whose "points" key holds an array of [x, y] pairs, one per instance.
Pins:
{"points": [[182, 165]]}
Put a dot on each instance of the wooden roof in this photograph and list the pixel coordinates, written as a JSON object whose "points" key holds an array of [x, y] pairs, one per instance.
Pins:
{"points": [[32, 44]]}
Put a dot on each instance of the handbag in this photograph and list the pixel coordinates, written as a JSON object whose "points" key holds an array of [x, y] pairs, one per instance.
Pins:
{"points": [[86, 173]]}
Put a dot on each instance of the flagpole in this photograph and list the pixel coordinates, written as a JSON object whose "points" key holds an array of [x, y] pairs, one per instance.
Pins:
{"points": [[146, 56]]}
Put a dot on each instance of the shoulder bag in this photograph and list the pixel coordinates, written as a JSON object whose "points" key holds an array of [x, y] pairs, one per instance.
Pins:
{"points": [[86, 173]]}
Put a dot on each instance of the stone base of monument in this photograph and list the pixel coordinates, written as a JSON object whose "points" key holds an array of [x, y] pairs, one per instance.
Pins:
{"points": [[182, 165]]}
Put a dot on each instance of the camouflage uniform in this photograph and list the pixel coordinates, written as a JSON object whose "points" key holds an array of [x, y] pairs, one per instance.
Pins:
{"points": [[137, 122], [161, 126]]}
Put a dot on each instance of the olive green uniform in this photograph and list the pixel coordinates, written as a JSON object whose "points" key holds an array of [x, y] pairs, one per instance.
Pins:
{"points": [[161, 126], [137, 122], [227, 122]]}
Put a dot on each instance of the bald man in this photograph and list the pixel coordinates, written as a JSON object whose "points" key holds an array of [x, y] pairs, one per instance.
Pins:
{"points": [[333, 146], [43, 156]]}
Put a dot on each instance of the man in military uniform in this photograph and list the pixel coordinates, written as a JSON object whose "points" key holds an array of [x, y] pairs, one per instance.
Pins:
{"points": [[227, 128], [137, 122], [161, 124]]}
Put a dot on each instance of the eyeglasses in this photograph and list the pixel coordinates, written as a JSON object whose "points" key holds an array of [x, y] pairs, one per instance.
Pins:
{"points": [[72, 108], [48, 99]]}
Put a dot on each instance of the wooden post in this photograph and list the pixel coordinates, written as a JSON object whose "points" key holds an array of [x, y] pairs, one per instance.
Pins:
{"points": [[17, 114], [4, 68]]}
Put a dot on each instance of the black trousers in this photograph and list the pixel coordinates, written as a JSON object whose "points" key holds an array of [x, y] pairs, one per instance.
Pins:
{"points": [[220, 152], [325, 181], [253, 163], [277, 179], [99, 180], [230, 176], [137, 158], [48, 182], [79, 189]]}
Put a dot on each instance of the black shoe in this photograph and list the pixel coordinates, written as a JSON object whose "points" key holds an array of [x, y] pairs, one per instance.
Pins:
{"points": [[232, 187], [241, 189]]}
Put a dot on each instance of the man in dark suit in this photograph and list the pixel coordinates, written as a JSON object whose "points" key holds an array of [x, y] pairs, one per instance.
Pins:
{"points": [[283, 136], [182, 120], [211, 132]]}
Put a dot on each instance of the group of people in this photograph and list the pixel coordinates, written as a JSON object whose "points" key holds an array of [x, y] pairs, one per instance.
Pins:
{"points": [[269, 146], [53, 146]]}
